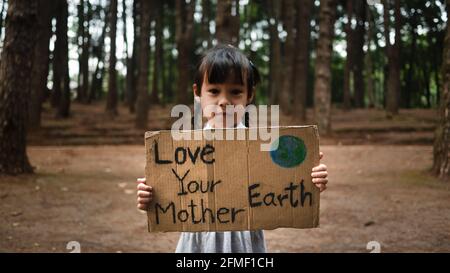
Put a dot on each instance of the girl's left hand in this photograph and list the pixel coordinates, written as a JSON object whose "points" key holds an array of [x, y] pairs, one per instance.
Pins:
{"points": [[319, 175]]}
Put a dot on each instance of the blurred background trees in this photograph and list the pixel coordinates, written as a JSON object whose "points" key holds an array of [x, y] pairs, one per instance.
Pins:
{"points": [[347, 54]]}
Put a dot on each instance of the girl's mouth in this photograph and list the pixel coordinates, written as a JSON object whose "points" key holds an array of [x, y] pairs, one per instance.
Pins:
{"points": [[224, 114], [225, 117]]}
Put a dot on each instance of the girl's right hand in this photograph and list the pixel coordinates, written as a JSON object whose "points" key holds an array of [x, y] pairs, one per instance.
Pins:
{"points": [[144, 194]]}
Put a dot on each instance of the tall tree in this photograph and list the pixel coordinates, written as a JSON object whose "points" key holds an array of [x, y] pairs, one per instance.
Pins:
{"points": [[62, 60], [288, 58], [132, 68], [322, 86], [84, 41], [409, 78], [369, 61], [1, 17], [40, 64], [227, 22], [273, 9], [111, 100], [359, 41], [348, 69], [58, 64], [144, 50], [127, 58], [80, 44], [304, 10], [441, 161], [393, 54], [158, 53], [183, 35], [15, 75], [170, 88], [99, 53], [206, 17]]}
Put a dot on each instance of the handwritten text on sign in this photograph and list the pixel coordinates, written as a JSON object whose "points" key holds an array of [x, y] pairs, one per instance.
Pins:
{"points": [[223, 185]]}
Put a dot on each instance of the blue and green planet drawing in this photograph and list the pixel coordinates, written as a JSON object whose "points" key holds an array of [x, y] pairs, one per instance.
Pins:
{"points": [[290, 153]]}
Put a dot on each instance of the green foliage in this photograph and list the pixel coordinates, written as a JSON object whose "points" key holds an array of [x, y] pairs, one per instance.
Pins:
{"points": [[423, 27]]}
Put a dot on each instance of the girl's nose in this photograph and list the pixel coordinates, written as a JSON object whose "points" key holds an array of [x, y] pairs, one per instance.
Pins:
{"points": [[224, 101]]}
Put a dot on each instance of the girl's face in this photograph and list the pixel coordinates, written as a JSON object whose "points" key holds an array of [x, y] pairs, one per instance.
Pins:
{"points": [[215, 97]]}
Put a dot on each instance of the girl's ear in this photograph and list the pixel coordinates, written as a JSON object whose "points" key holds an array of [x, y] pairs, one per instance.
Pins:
{"points": [[195, 90]]}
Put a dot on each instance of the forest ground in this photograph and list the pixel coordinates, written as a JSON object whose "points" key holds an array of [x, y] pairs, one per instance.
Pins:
{"points": [[84, 188]]}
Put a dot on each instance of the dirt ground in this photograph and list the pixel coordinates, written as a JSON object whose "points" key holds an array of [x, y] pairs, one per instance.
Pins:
{"points": [[86, 194], [89, 125]]}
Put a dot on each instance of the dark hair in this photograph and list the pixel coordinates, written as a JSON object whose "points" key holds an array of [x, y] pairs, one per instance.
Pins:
{"points": [[226, 62]]}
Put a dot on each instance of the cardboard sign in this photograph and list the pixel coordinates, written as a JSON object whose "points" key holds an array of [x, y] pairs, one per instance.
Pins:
{"points": [[225, 185]]}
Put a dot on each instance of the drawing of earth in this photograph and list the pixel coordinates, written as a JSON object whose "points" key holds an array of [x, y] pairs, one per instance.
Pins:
{"points": [[291, 151]]}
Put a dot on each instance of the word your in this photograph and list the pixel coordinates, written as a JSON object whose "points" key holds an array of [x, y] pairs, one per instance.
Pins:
{"points": [[194, 186]]}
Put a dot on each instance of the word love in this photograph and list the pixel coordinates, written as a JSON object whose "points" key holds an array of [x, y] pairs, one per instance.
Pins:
{"points": [[182, 154]]}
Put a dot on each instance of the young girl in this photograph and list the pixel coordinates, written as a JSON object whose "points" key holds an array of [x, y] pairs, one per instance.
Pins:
{"points": [[224, 77]]}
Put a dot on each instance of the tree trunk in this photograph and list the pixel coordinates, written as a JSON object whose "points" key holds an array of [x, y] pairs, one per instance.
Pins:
{"points": [[288, 58], [184, 34], [369, 62], [83, 86], [40, 65], [57, 62], [64, 106], [157, 69], [393, 81], [441, 162], [1, 18], [426, 80], [144, 51], [273, 9], [348, 69], [132, 69], [80, 44], [206, 17], [162, 65], [410, 85], [227, 22], [360, 12], [96, 89], [322, 86], [170, 78], [111, 101], [436, 79], [15, 75], [302, 57], [127, 59], [63, 60], [98, 52]]}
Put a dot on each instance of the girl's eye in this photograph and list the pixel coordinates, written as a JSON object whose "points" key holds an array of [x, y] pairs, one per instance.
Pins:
{"points": [[214, 91], [236, 92]]}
